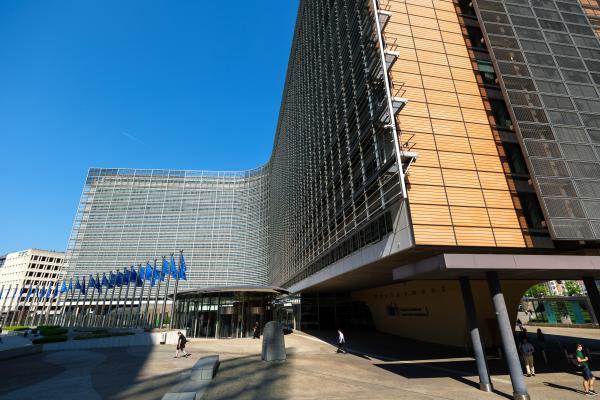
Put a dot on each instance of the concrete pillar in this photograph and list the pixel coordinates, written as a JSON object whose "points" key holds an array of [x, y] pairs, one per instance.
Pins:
{"points": [[593, 295], [507, 335], [484, 377]]}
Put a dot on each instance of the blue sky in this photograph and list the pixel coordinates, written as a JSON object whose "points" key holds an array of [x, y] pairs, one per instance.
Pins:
{"points": [[145, 84]]}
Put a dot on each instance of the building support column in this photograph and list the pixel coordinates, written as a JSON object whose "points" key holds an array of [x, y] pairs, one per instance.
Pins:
{"points": [[593, 295], [484, 377], [507, 334]]}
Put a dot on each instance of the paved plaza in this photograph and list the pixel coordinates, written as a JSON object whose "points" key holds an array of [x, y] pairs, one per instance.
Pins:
{"points": [[378, 367]]}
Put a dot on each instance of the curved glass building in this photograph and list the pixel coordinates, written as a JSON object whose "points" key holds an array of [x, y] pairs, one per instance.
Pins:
{"points": [[131, 216]]}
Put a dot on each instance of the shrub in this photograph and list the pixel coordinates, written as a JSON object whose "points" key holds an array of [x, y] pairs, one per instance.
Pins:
{"points": [[16, 328], [53, 331], [50, 339], [48, 326], [102, 335]]}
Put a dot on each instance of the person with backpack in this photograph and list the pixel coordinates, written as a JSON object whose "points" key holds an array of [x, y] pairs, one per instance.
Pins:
{"points": [[181, 341], [588, 377]]}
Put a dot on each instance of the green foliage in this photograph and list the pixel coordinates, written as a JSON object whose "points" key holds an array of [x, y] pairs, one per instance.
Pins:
{"points": [[50, 339], [538, 290], [92, 331], [52, 331], [102, 335], [48, 326], [572, 288], [15, 328]]}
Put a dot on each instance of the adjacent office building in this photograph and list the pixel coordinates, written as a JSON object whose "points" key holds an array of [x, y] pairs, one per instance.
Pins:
{"points": [[427, 151], [32, 268]]}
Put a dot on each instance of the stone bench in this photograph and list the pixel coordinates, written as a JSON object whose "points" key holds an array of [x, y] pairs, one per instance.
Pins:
{"points": [[205, 368], [200, 376]]}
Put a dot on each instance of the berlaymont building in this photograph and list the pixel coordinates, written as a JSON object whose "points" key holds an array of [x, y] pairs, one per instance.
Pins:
{"points": [[428, 152]]}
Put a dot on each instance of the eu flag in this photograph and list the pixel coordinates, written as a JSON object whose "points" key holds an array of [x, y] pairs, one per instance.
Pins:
{"points": [[70, 288], [133, 276], [173, 268], [64, 288], [92, 281], [182, 268], [104, 280], [126, 277], [49, 291], [112, 281], [119, 280], [149, 273], [165, 269]]}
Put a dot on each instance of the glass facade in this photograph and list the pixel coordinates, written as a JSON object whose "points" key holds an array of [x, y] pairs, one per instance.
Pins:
{"points": [[548, 57], [129, 216], [335, 177], [224, 313]]}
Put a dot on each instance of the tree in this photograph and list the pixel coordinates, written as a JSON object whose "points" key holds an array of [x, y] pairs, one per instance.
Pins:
{"points": [[539, 290], [572, 288]]}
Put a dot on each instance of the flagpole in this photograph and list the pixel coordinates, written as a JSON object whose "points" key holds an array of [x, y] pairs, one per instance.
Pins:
{"points": [[146, 312], [58, 296], [124, 316], [139, 313], [22, 314], [42, 305], [93, 316], [58, 317], [33, 304], [4, 302], [112, 296], [155, 309], [117, 314], [175, 294], [49, 303], [130, 318], [104, 302], [68, 317], [10, 314], [87, 317], [79, 318], [164, 305], [12, 300]]}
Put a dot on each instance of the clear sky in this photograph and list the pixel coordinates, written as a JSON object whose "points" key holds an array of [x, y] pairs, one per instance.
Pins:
{"points": [[134, 84]]}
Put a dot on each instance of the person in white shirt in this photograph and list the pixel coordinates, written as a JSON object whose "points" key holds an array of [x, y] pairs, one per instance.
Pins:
{"points": [[341, 342], [527, 351]]}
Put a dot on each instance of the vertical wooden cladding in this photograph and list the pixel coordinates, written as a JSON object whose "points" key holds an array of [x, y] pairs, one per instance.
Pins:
{"points": [[457, 188], [592, 10]]}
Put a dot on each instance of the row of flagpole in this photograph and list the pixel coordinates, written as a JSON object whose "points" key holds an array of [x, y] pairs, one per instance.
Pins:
{"points": [[69, 310]]}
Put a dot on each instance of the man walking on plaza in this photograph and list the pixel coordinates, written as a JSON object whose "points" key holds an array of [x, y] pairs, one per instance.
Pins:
{"points": [[181, 341], [588, 377], [527, 350], [341, 342]]}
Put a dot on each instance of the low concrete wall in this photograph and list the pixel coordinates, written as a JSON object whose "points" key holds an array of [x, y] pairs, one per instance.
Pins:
{"points": [[139, 339]]}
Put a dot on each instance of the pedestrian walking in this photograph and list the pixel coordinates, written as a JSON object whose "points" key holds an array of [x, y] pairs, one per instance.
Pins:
{"points": [[341, 342], [181, 341], [588, 377], [541, 342], [520, 324], [527, 351], [256, 331]]}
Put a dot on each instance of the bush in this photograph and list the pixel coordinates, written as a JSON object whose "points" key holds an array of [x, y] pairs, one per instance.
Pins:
{"points": [[48, 326], [91, 331], [53, 331], [50, 339], [16, 328], [102, 335]]}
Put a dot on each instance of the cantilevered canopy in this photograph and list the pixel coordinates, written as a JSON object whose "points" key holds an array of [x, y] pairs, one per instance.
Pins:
{"points": [[230, 289]]}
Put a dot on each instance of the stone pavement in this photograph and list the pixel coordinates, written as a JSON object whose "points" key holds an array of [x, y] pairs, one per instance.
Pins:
{"points": [[407, 370]]}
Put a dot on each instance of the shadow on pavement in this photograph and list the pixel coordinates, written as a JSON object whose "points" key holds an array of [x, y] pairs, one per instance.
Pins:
{"points": [[249, 377]]}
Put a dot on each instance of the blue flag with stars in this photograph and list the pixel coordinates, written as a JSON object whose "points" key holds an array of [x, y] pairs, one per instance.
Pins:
{"points": [[182, 268]]}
